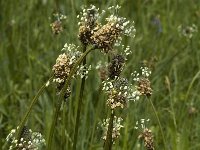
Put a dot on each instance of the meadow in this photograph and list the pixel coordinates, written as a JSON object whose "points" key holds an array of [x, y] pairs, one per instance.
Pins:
{"points": [[166, 41]]}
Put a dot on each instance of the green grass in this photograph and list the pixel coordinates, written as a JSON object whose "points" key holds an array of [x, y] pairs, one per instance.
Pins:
{"points": [[28, 50]]}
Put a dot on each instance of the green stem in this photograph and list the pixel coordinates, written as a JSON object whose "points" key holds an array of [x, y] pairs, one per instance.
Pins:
{"points": [[56, 112], [79, 104], [63, 139], [34, 100], [164, 141], [108, 143], [97, 107]]}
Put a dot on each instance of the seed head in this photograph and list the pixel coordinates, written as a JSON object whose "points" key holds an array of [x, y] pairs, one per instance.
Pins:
{"points": [[61, 71], [106, 36], [62, 68], [116, 66], [103, 73], [88, 24], [117, 91], [26, 134], [144, 86], [147, 137], [28, 141], [116, 128], [116, 100], [187, 31], [56, 27]]}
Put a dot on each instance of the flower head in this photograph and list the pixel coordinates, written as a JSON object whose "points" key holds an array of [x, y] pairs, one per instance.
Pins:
{"points": [[144, 86], [147, 137], [116, 128], [64, 64], [57, 26], [116, 66], [117, 91], [187, 31], [88, 24], [29, 140], [62, 68], [108, 34]]}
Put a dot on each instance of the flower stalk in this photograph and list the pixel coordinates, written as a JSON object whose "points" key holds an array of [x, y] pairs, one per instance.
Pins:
{"points": [[152, 105], [34, 100], [109, 141], [79, 104], [62, 93]]}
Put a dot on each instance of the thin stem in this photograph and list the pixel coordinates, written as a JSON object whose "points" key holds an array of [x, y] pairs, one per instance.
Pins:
{"points": [[63, 127], [97, 111], [108, 143], [34, 100], [171, 103], [79, 104], [56, 112], [152, 105]]}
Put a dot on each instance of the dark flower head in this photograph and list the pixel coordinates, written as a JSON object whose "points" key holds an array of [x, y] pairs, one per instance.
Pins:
{"points": [[116, 66]]}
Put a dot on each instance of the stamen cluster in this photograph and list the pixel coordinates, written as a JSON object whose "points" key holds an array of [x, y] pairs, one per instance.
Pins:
{"points": [[88, 24]]}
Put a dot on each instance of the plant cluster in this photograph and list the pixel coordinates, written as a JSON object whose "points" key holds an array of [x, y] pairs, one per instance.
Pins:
{"points": [[104, 33]]}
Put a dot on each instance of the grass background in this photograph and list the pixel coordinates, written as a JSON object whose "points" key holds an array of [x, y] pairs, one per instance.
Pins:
{"points": [[28, 49]]}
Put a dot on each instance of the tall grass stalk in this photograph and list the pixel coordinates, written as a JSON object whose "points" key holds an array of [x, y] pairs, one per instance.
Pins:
{"points": [[79, 104], [97, 112], [34, 100], [59, 102], [108, 143], [158, 120]]}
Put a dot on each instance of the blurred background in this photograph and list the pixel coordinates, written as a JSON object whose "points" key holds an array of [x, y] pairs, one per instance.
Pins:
{"points": [[165, 41]]}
